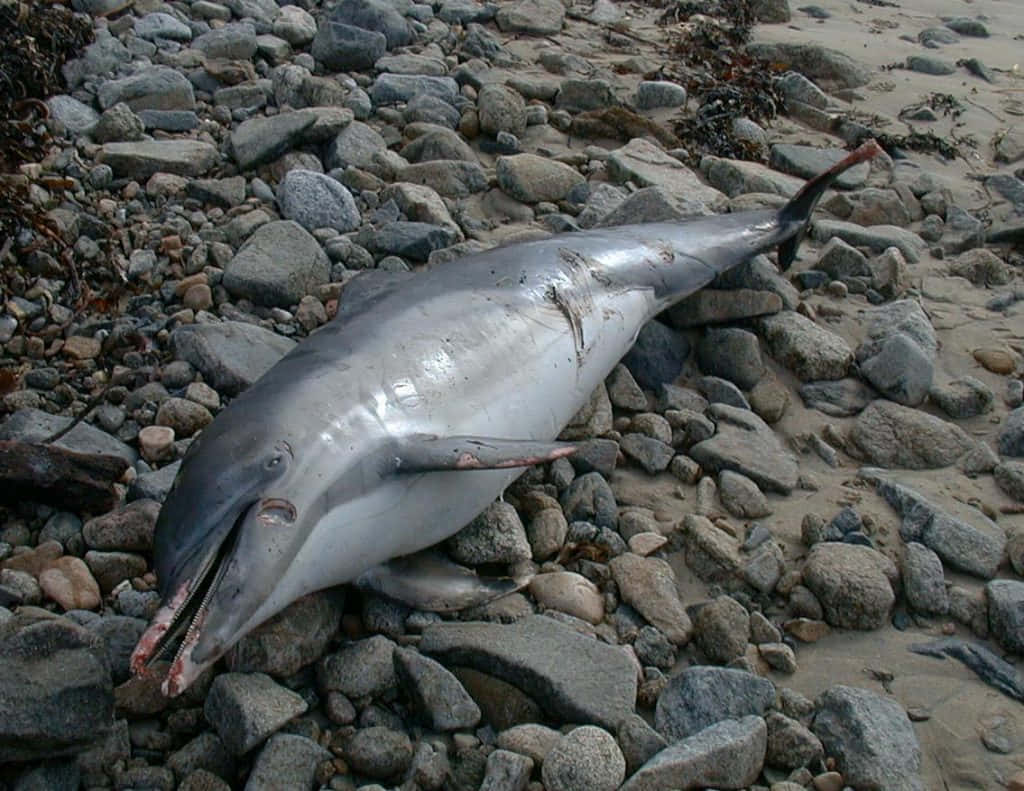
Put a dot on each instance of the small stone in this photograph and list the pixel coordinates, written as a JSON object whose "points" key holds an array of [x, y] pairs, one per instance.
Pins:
{"points": [[1006, 613], [506, 771], [648, 584], [570, 593], [69, 582], [156, 443], [287, 760], [496, 536], [585, 759], [247, 708]]}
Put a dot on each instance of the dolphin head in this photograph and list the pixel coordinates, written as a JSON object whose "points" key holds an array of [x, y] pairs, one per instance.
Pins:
{"points": [[233, 522]]}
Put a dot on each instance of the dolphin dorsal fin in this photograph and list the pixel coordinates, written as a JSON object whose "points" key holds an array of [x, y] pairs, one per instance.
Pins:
{"points": [[428, 453]]}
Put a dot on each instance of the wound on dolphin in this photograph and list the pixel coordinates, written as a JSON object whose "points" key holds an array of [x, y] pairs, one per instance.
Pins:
{"points": [[393, 426]]}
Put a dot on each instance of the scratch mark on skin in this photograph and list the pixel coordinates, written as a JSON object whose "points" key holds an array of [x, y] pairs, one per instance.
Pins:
{"points": [[571, 313]]}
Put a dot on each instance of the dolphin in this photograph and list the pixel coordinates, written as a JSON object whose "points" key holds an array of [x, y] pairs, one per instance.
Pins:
{"points": [[395, 424]]}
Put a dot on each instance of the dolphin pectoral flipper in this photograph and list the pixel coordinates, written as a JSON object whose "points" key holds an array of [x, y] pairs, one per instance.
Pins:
{"points": [[429, 581], [425, 453]]}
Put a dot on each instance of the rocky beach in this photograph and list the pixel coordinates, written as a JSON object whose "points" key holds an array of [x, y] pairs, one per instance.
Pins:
{"points": [[789, 552]]}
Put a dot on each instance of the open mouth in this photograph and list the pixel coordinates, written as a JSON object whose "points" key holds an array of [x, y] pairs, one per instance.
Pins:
{"points": [[183, 618]]}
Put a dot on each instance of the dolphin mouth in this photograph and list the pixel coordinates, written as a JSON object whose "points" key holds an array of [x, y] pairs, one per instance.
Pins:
{"points": [[184, 616]]}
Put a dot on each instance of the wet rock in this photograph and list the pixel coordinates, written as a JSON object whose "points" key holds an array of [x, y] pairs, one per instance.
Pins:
{"points": [[745, 444], [890, 435], [1006, 613], [247, 708], [438, 696], [871, 738], [598, 686], [585, 758], [722, 628], [378, 752], [278, 265], [729, 754], [811, 352], [56, 692], [287, 760], [852, 584], [649, 586], [290, 640], [701, 696]]}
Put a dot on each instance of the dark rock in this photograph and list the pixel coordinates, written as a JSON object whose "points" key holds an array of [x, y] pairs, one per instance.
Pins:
{"points": [[247, 708], [658, 355], [287, 761], [702, 695]]}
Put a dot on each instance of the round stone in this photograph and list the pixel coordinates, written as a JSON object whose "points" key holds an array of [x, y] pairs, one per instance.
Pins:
{"points": [[156, 443], [585, 759]]}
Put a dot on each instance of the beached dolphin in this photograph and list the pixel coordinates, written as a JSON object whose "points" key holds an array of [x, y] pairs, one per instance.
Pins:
{"points": [[393, 426]]}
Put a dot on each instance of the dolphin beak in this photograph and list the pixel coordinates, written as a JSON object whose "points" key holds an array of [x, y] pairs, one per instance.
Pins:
{"points": [[185, 613]]}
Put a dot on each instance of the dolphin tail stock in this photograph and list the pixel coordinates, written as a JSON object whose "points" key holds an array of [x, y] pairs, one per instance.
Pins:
{"points": [[798, 211]]}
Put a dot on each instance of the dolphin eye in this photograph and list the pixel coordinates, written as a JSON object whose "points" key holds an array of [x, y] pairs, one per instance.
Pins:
{"points": [[274, 462]]}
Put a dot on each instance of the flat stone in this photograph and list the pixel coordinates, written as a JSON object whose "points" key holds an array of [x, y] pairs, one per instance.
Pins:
{"points": [[718, 306], [151, 88], [890, 435], [34, 425], [746, 444], [262, 139], [438, 696], [643, 163], [702, 695], [829, 68], [812, 352], [649, 586], [877, 238], [598, 686], [230, 355], [809, 161], [277, 266], [736, 177], [729, 754], [141, 159], [534, 17]]}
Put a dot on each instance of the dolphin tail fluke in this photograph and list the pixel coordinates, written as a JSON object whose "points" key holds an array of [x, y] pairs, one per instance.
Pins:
{"points": [[429, 581], [798, 211], [432, 454]]}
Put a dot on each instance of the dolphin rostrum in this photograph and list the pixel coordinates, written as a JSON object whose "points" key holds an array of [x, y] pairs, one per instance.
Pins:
{"points": [[391, 427]]}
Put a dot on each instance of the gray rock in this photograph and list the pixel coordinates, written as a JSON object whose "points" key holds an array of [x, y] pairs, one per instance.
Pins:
{"points": [[245, 709], [355, 146], [829, 68], [890, 435], [118, 123], [140, 160], [295, 25], [852, 584], [790, 743], [429, 109], [808, 161], [652, 454], [361, 669], [315, 200], [531, 179], [535, 17], [658, 355], [796, 87], [659, 93], [810, 351], [598, 686], [100, 58], [292, 639], [639, 742], [34, 425], [926, 64], [450, 178], [120, 635], [506, 771], [871, 738], [741, 497], [650, 204], [378, 752], [501, 109], [154, 485], [876, 237], [128, 528], [722, 629], [1011, 437], [56, 775], [982, 267], [962, 231], [1010, 478], [169, 120], [375, 15], [744, 443], [702, 695], [262, 139], [495, 536], [233, 41], [963, 398], [729, 754], [898, 368], [394, 88], [151, 88], [737, 177], [438, 696], [277, 266], [585, 759], [732, 354], [715, 306], [342, 47], [56, 695], [412, 240], [230, 355], [590, 498], [155, 26], [287, 761], [78, 118], [1006, 613], [646, 165], [648, 584], [759, 274], [924, 580], [842, 261]]}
